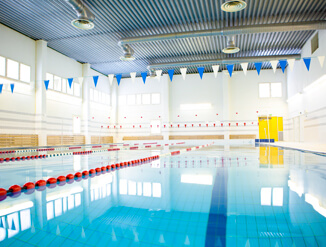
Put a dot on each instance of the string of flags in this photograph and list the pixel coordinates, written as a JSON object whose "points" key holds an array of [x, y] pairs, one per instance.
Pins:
{"points": [[258, 65]]}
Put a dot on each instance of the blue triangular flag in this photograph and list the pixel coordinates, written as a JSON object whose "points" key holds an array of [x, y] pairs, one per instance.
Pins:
{"points": [[95, 78], [12, 87], [46, 84], [230, 68], [258, 66], [171, 71], [307, 61], [1, 223], [1, 85], [13, 227], [283, 64], [118, 76], [70, 81], [144, 75], [201, 71]]}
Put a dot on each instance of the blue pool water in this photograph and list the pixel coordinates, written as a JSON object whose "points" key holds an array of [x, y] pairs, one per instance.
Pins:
{"points": [[217, 196]]}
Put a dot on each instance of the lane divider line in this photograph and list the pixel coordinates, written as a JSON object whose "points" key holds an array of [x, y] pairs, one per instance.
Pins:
{"points": [[30, 187]]}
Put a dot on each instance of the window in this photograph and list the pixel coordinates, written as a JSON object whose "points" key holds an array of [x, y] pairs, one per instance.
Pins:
{"points": [[108, 99], [146, 99], [57, 83], [276, 89], [156, 98], [2, 66], [77, 89], [12, 69], [95, 95], [267, 90], [70, 90], [64, 85], [25, 73], [91, 94], [138, 99], [122, 100], [131, 99], [50, 78], [99, 96], [264, 90]]}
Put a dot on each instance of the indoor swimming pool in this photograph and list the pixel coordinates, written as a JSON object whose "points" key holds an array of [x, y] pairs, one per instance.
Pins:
{"points": [[214, 196]]}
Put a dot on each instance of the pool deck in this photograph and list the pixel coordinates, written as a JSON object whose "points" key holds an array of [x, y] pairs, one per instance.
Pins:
{"points": [[312, 147]]}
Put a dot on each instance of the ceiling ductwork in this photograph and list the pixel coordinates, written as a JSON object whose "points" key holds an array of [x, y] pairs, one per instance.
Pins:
{"points": [[85, 17], [231, 48], [233, 5], [232, 60], [128, 53], [229, 31]]}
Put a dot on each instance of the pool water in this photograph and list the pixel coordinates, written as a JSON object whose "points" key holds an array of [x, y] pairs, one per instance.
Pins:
{"points": [[217, 196]]}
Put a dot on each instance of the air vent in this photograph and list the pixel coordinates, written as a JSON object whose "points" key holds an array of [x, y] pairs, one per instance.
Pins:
{"points": [[314, 43], [234, 5], [231, 48]]}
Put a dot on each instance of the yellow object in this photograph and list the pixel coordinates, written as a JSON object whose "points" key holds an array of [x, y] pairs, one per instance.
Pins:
{"points": [[269, 127]]}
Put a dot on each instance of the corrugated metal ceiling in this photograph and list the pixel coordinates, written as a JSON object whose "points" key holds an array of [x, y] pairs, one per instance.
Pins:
{"points": [[50, 20]]}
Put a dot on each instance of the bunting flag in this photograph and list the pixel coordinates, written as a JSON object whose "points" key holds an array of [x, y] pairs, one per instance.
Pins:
{"points": [[258, 66], [70, 81], [46, 84], [307, 61], [144, 75], [118, 76], [80, 80], [111, 76], [215, 69], [283, 64], [230, 68], [1, 86], [133, 76], [171, 71], [291, 63], [12, 87], [95, 79], [244, 67], [274, 65], [183, 72], [201, 71], [321, 60]]}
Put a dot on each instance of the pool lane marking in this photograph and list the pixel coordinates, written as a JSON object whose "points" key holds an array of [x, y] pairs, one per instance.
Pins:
{"points": [[217, 219], [16, 190]]}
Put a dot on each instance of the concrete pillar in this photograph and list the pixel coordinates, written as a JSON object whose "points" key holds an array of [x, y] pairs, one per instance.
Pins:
{"points": [[40, 92], [85, 102], [226, 80], [165, 102], [114, 111]]}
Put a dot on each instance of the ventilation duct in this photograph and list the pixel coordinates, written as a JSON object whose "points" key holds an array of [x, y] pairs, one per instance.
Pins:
{"points": [[128, 53], [85, 17], [233, 5], [231, 48]]}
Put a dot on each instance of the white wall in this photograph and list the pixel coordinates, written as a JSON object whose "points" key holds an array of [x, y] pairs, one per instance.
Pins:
{"points": [[308, 107]]}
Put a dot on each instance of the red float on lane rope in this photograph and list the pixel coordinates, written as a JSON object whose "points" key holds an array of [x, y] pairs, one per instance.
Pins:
{"points": [[61, 179], [29, 186], [52, 181], [15, 189], [40, 183]]}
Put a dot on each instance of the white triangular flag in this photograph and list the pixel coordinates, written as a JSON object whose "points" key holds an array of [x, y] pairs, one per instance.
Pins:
{"points": [[81, 79], [274, 64], [321, 60], [133, 76], [244, 67], [291, 63], [215, 69], [158, 74], [183, 72], [111, 76]]}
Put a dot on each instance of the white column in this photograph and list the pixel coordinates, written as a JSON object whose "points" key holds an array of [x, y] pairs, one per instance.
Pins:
{"points": [[114, 111], [40, 92], [85, 102], [165, 102], [226, 80]]}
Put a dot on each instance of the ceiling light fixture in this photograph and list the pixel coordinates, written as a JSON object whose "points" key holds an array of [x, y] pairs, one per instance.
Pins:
{"points": [[231, 48], [234, 5]]}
